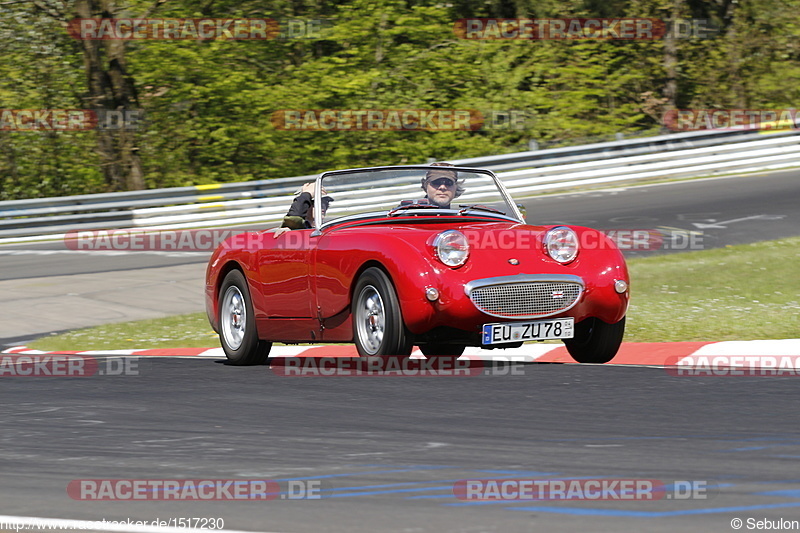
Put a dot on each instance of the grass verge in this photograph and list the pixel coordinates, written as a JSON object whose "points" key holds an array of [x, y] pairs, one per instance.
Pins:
{"points": [[179, 331], [750, 291], [744, 292]]}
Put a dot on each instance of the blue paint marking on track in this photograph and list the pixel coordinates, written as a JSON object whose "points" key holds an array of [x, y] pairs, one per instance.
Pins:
{"points": [[729, 438], [506, 502], [788, 493], [366, 472], [518, 472], [670, 487], [387, 486], [395, 488], [442, 489], [395, 491], [650, 514], [481, 502], [448, 496], [414, 468], [504, 474], [364, 490]]}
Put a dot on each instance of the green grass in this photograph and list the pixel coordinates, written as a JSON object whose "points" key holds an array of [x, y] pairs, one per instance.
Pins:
{"points": [[180, 331], [743, 292]]}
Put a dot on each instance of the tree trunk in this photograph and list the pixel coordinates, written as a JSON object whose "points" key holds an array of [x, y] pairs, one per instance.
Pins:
{"points": [[671, 58], [8, 168], [110, 88]]}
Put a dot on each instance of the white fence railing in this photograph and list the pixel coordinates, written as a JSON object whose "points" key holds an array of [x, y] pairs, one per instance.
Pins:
{"points": [[527, 173]]}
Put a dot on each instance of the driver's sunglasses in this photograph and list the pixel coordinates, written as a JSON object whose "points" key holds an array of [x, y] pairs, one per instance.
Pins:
{"points": [[438, 182]]}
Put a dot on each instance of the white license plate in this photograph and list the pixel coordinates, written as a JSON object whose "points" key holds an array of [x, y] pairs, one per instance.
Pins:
{"points": [[557, 328]]}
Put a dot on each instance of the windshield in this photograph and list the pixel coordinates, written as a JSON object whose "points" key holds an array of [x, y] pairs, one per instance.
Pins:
{"points": [[425, 191]]}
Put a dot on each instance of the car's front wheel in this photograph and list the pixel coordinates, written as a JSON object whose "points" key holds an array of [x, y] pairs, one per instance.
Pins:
{"points": [[378, 327], [237, 323], [595, 341]]}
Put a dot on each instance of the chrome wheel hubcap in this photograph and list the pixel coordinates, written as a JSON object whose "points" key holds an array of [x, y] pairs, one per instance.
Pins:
{"points": [[370, 319], [234, 317]]}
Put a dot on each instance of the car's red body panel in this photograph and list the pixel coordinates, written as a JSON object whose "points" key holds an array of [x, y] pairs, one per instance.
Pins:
{"points": [[301, 285]]}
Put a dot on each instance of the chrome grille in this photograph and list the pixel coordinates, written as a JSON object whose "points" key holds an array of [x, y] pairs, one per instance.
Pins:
{"points": [[526, 299]]}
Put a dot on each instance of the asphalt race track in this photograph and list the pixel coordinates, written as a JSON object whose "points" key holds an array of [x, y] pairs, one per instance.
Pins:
{"points": [[384, 453]]}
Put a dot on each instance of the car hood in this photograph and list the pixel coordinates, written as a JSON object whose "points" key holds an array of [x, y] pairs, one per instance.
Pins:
{"points": [[496, 246]]}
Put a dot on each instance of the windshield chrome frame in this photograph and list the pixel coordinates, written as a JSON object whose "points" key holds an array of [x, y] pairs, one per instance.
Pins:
{"points": [[318, 226]]}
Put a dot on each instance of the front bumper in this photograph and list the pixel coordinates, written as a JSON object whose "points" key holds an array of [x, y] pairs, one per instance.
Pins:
{"points": [[518, 297]]}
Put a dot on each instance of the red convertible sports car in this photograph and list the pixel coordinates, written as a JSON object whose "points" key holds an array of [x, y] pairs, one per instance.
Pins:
{"points": [[434, 256]]}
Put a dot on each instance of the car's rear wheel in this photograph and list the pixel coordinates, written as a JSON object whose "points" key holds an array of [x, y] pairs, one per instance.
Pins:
{"points": [[595, 341], [237, 323], [442, 349], [378, 327]]}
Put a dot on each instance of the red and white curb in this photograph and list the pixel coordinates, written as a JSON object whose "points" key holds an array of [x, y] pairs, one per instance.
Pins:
{"points": [[631, 353]]}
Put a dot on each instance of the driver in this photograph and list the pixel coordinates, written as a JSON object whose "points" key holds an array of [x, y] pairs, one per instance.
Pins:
{"points": [[301, 213], [441, 186]]}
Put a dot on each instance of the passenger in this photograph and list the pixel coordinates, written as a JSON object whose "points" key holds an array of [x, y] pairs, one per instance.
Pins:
{"points": [[441, 186], [301, 213]]}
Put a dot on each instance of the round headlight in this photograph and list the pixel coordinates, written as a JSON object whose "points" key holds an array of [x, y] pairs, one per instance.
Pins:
{"points": [[452, 248], [561, 244]]}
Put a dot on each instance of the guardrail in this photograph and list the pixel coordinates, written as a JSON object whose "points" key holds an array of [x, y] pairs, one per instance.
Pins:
{"points": [[524, 173]]}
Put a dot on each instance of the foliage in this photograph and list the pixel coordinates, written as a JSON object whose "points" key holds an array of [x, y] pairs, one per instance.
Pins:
{"points": [[208, 104]]}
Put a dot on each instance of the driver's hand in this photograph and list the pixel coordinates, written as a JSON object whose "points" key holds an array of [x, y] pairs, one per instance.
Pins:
{"points": [[280, 231], [309, 188]]}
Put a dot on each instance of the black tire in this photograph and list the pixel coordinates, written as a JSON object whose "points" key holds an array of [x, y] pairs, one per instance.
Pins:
{"points": [[238, 334], [442, 349], [378, 327], [595, 341]]}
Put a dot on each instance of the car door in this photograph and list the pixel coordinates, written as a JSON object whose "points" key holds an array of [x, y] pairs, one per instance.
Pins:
{"points": [[336, 258], [285, 274]]}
